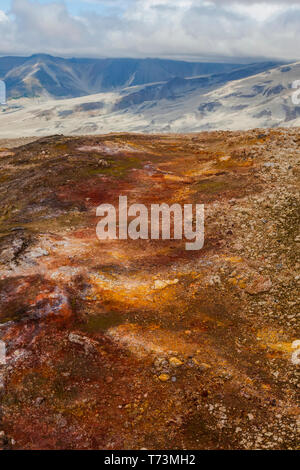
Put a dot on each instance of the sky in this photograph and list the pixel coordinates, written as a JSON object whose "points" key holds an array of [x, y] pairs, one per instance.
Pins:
{"points": [[181, 29]]}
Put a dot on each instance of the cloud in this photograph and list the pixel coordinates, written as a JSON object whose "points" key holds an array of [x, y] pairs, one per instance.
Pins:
{"points": [[157, 28], [273, 2], [3, 17]]}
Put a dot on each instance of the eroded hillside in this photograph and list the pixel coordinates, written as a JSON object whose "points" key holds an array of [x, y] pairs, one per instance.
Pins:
{"points": [[140, 344]]}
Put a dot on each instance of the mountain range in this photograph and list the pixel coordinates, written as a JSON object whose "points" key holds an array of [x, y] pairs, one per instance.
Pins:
{"points": [[45, 75], [49, 95]]}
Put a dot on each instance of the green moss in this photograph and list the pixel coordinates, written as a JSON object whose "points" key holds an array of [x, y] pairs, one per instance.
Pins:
{"points": [[35, 384], [118, 168], [213, 186], [62, 222], [75, 363], [14, 311], [62, 147], [102, 322]]}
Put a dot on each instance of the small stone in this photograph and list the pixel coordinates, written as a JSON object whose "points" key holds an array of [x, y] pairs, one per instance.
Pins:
{"points": [[103, 163], [201, 365], [2, 353], [38, 253], [164, 377], [259, 286], [175, 362], [39, 401], [162, 284], [269, 165], [87, 343]]}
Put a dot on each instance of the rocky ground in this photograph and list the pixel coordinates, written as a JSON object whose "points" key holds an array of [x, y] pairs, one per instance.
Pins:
{"points": [[141, 344]]}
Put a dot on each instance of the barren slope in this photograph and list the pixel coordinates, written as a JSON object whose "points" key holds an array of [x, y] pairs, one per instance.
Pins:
{"points": [[136, 344]]}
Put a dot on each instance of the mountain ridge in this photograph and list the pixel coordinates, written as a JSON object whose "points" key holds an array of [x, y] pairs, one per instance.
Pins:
{"points": [[42, 74], [223, 101]]}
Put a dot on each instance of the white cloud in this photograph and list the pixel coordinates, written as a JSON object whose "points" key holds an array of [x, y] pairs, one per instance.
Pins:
{"points": [[259, 11], [166, 28], [3, 17]]}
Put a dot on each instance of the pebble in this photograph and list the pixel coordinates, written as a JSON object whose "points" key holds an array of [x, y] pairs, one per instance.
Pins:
{"points": [[175, 362], [164, 377]]}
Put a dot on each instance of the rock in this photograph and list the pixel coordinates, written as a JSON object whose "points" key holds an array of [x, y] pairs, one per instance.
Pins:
{"points": [[161, 284], [259, 285], [202, 366], [17, 229], [87, 343], [37, 253], [12, 250], [175, 362], [2, 353], [103, 163], [39, 401], [2, 380], [161, 363], [164, 377], [269, 165]]}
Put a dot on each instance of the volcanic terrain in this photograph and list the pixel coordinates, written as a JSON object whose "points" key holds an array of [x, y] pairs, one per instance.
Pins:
{"points": [[141, 344]]}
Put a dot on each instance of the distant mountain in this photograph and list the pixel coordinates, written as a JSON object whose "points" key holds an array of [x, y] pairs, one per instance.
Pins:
{"points": [[237, 99], [44, 75], [263, 100], [260, 100], [177, 87]]}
